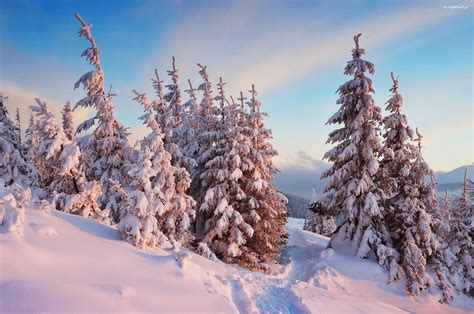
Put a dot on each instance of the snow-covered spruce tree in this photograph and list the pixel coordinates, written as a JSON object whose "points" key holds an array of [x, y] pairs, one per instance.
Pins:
{"points": [[463, 205], [18, 128], [13, 167], [172, 117], [46, 152], [9, 129], [61, 176], [470, 190], [159, 105], [188, 142], [428, 194], [411, 209], [446, 209], [459, 255], [460, 249], [432, 229], [173, 125], [243, 114], [68, 126], [158, 211], [31, 138], [207, 123], [174, 99], [106, 150], [398, 152], [262, 206], [405, 212], [220, 227], [351, 194], [140, 226]]}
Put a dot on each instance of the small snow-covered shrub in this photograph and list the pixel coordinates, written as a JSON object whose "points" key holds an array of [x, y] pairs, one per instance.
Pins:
{"points": [[319, 222], [140, 226], [13, 167], [13, 200], [83, 203], [182, 256]]}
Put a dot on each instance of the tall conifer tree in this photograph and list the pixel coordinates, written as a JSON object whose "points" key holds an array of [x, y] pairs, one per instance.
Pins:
{"points": [[106, 150], [351, 193]]}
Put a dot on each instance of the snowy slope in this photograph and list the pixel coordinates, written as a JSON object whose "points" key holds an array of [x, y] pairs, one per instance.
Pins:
{"points": [[67, 263]]}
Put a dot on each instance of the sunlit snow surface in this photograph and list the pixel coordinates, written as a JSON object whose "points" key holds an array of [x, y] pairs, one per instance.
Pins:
{"points": [[67, 263]]}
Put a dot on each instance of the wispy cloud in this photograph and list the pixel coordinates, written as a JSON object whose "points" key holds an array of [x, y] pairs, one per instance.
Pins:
{"points": [[301, 175], [288, 49], [273, 44], [449, 129], [313, 55], [23, 98], [234, 39], [33, 76]]}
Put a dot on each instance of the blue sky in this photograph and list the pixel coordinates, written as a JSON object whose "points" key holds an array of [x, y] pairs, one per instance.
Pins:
{"points": [[294, 51]]}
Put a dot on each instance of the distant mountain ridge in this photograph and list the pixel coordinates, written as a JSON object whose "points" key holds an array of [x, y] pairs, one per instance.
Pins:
{"points": [[297, 183], [297, 207], [456, 175], [453, 180]]}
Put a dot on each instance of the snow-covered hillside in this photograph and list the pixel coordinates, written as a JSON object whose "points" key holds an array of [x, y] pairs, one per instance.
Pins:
{"points": [[297, 207], [67, 263]]}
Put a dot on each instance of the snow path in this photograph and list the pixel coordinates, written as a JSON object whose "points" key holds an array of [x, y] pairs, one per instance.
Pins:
{"points": [[67, 263]]}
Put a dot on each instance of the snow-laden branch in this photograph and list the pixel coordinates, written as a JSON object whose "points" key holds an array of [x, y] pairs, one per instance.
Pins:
{"points": [[394, 88], [158, 85], [91, 53]]}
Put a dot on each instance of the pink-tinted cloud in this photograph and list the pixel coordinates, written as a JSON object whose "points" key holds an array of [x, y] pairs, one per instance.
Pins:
{"points": [[231, 43]]}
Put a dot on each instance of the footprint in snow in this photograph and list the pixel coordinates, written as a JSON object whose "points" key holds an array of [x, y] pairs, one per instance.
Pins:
{"points": [[115, 289], [43, 229]]}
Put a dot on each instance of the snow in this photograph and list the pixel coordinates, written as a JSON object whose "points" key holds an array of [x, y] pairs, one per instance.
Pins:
{"points": [[12, 216], [67, 263], [295, 223]]}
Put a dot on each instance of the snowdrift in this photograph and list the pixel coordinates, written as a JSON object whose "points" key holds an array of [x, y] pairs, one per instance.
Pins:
{"points": [[61, 262]]}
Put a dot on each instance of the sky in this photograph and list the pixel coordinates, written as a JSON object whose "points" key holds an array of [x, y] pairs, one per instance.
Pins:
{"points": [[293, 51]]}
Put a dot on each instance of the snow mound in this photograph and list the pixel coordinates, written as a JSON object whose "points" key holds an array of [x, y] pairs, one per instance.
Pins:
{"points": [[68, 263], [12, 211]]}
